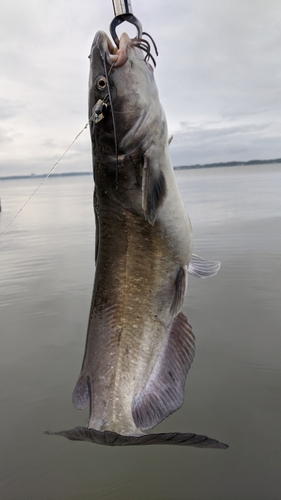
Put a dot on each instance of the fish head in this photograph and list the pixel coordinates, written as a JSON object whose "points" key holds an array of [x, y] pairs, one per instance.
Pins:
{"points": [[122, 83]]}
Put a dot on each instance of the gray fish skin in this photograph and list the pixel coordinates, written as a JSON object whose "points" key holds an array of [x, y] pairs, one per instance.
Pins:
{"points": [[139, 345]]}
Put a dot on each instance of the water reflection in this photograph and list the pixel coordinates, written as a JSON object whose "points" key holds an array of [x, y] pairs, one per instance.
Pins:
{"points": [[232, 388]]}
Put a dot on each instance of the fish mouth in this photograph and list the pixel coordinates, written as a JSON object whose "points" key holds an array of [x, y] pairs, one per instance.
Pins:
{"points": [[113, 55]]}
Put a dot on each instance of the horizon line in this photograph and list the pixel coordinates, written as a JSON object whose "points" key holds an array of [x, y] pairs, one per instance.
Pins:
{"points": [[181, 167]]}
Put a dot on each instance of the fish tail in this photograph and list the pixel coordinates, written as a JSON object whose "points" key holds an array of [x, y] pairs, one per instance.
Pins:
{"points": [[110, 438]]}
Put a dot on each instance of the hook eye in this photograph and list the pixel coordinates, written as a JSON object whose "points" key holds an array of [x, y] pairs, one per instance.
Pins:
{"points": [[130, 18]]}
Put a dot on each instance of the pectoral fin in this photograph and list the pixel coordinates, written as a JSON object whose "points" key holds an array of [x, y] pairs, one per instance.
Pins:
{"points": [[180, 290], [201, 268], [164, 391], [97, 238], [153, 189]]}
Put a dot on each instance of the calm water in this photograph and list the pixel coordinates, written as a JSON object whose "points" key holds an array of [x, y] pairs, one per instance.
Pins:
{"points": [[233, 388]]}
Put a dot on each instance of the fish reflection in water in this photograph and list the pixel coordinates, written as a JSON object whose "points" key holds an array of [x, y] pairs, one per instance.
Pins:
{"points": [[139, 344]]}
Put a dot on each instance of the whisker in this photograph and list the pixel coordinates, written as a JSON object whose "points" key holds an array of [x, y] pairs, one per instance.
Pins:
{"points": [[141, 42], [154, 44], [144, 45]]}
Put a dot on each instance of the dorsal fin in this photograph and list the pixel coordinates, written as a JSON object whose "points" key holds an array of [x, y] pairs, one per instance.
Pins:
{"points": [[164, 391]]}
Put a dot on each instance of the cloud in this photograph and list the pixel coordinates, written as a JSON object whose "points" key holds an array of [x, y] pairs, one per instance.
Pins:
{"points": [[4, 137], [8, 108], [210, 143], [218, 68]]}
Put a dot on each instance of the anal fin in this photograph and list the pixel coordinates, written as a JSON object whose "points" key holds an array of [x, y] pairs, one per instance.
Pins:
{"points": [[164, 391]]}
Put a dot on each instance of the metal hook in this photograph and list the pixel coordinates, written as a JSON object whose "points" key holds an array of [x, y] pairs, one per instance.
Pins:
{"points": [[123, 12]]}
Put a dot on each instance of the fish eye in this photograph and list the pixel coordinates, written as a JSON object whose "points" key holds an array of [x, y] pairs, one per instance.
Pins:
{"points": [[101, 82]]}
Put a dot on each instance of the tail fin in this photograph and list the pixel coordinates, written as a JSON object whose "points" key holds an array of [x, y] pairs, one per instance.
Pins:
{"points": [[110, 438]]}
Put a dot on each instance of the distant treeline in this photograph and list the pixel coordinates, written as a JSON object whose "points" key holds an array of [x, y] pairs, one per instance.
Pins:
{"points": [[42, 176], [229, 164], [184, 167]]}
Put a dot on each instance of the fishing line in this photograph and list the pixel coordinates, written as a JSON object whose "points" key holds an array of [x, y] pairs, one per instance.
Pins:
{"points": [[107, 73], [48, 175]]}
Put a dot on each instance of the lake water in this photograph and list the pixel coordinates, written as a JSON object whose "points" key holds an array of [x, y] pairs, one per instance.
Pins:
{"points": [[233, 390]]}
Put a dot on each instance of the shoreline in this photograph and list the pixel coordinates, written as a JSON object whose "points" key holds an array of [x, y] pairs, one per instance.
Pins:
{"points": [[183, 167]]}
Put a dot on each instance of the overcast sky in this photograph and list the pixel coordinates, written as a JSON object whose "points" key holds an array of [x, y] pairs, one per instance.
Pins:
{"points": [[218, 75]]}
